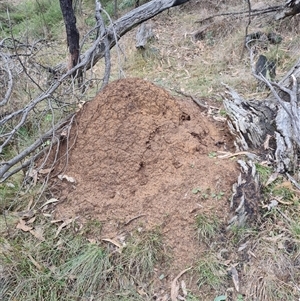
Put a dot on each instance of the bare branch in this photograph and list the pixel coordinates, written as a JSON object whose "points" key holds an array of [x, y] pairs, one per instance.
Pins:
{"points": [[120, 27], [4, 101], [102, 32], [15, 120], [254, 12]]}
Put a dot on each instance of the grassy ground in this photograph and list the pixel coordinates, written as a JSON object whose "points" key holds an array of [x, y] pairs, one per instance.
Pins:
{"points": [[42, 259]]}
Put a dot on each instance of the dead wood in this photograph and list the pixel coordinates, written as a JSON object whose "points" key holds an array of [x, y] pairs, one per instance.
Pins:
{"points": [[143, 35], [47, 99], [290, 9], [278, 116], [246, 197], [271, 125], [71, 30], [245, 13], [119, 28]]}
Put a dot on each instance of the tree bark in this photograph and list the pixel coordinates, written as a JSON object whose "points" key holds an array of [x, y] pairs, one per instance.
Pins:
{"points": [[291, 8], [271, 126], [71, 30]]}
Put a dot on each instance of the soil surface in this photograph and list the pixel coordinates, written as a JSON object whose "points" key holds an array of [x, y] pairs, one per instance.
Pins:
{"points": [[138, 154]]}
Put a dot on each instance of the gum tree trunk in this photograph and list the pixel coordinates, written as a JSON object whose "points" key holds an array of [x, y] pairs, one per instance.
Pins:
{"points": [[71, 30]]}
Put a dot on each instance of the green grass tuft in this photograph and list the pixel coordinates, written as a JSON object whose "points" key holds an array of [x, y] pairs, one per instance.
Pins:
{"points": [[207, 227], [210, 272]]}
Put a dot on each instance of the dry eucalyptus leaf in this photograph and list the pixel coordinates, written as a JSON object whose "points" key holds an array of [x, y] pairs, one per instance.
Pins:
{"points": [[33, 173], [68, 178], [45, 171], [272, 178], [174, 291], [175, 286], [183, 287], [52, 200], [64, 224], [26, 214], [35, 263], [32, 220], [22, 226]]}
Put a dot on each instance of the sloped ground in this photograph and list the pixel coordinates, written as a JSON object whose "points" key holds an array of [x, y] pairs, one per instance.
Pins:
{"points": [[138, 155]]}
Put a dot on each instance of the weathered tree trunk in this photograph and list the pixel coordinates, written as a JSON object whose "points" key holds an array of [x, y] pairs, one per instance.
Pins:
{"points": [[291, 8], [272, 125], [144, 34], [72, 32]]}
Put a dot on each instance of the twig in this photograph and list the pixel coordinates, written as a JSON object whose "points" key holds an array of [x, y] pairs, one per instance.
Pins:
{"points": [[254, 12], [4, 167], [174, 284], [247, 27], [9, 81], [134, 218], [108, 37], [197, 101]]}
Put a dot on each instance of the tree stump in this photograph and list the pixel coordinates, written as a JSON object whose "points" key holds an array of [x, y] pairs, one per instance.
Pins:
{"points": [[144, 34]]}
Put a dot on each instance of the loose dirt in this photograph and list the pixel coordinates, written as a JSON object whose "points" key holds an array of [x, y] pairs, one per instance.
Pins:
{"points": [[138, 154]]}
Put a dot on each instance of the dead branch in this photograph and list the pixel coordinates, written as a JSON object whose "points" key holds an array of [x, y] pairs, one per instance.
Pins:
{"points": [[14, 120], [50, 134], [196, 100], [290, 9], [253, 13], [9, 80], [143, 35], [119, 28]]}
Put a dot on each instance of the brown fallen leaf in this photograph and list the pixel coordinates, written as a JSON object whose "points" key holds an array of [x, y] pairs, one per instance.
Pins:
{"points": [[175, 286], [22, 226], [51, 201], [33, 174], [26, 214], [30, 203], [272, 178], [183, 288]]}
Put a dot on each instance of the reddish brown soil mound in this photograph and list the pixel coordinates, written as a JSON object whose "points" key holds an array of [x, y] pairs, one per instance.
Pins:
{"points": [[140, 152]]}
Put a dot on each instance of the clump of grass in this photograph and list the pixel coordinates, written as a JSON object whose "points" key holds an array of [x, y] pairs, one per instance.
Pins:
{"points": [[92, 228], [264, 172], [69, 267], [276, 276], [207, 227], [210, 272], [142, 253], [8, 192]]}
